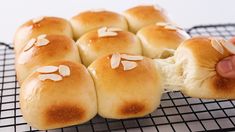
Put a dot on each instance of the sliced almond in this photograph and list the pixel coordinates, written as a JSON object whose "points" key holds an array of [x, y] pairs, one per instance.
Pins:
{"points": [[131, 57], [162, 24], [42, 42], [107, 34], [115, 60], [128, 65], [30, 44], [157, 7], [171, 27], [47, 69], [36, 20], [53, 77], [222, 41], [217, 46], [230, 47], [101, 30], [64, 70], [114, 29], [42, 36]]}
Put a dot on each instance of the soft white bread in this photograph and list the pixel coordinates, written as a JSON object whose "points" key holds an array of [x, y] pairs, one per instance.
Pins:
{"points": [[140, 16], [42, 25], [58, 47], [126, 89], [48, 104], [90, 20], [193, 68], [158, 39], [92, 45]]}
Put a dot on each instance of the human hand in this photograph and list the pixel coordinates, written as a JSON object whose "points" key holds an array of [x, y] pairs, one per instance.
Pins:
{"points": [[226, 67]]}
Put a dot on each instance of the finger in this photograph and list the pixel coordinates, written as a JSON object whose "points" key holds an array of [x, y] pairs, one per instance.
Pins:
{"points": [[226, 67]]}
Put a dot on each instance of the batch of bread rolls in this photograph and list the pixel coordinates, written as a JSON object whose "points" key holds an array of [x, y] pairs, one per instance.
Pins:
{"points": [[115, 65]]}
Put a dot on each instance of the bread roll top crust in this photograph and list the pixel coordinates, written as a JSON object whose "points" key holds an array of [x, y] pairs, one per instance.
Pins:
{"points": [[91, 46], [60, 47], [46, 25], [90, 20], [122, 88], [48, 104], [144, 15], [155, 39]]}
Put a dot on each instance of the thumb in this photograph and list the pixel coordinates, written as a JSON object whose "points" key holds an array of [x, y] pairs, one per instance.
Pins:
{"points": [[226, 67]]}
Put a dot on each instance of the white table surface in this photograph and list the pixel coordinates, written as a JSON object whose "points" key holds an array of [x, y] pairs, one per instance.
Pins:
{"points": [[186, 13]]}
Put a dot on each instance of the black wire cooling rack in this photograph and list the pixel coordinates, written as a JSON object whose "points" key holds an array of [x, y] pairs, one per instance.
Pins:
{"points": [[176, 112]]}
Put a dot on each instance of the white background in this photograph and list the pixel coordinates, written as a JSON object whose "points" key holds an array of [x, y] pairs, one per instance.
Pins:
{"points": [[186, 13]]}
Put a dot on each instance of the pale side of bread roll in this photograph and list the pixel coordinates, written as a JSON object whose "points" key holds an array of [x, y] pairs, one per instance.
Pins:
{"points": [[58, 47], [128, 89], [41, 25], [58, 102], [90, 20], [143, 15], [92, 46], [159, 39], [193, 68]]}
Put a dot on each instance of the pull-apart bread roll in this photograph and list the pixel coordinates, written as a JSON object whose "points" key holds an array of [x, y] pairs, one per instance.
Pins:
{"points": [[192, 69], [104, 41], [58, 95], [90, 20], [140, 16], [38, 26], [43, 50], [127, 86], [161, 39]]}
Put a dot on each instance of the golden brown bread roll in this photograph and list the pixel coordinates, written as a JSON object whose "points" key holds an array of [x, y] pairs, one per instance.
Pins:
{"points": [[46, 50], [193, 68], [140, 16], [98, 43], [61, 98], [160, 38], [41, 25], [126, 88], [90, 20]]}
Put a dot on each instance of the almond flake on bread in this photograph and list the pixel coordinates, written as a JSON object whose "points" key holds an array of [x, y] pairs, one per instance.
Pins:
{"points": [[64, 70], [115, 60], [53, 77], [102, 29], [131, 57], [162, 24], [30, 44], [42, 36], [47, 69], [36, 20], [171, 27], [128, 65], [217, 46], [107, 34], [230, 47], [114, 29], [42, 42]]}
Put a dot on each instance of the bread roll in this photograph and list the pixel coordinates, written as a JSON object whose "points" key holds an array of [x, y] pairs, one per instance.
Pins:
{"points": [[42, 25], [144, 15], [160, 39], [126, 89], [90, 20], [58, 101], [193, 68], [96, 44], [58, 47]]}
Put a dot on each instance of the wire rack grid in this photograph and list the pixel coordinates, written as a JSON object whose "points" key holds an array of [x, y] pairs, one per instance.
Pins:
{"points": [[176, 112]]}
